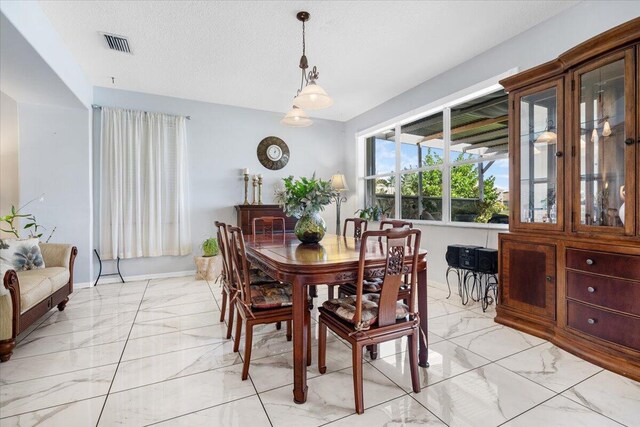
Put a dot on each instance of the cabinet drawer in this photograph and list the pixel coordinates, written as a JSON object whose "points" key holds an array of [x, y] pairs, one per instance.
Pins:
{"points": [[609, 264], [613, 327], [617, 294]]}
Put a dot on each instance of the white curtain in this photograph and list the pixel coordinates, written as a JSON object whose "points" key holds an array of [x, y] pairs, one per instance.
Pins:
{"points": [[144, 207]]}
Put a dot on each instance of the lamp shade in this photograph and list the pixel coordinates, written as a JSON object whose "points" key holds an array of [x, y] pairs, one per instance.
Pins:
{"points": [[296, 117], [547, 137], [312, 97], [339, 183]]}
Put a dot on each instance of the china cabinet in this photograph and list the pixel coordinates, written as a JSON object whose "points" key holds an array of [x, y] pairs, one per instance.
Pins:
{"points": [[570, 264]]}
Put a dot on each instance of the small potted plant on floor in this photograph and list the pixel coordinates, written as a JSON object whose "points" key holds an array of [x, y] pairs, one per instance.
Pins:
{"points": [[206, 264], [304, 198]]}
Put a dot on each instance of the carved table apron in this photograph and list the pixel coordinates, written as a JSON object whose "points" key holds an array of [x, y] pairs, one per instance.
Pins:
{"points": [[333, 261]]}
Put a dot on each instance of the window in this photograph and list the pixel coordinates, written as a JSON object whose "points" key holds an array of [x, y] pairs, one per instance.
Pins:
{"points": [[450, 165]]}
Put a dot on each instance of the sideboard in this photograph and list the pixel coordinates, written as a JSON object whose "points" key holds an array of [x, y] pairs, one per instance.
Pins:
{"points": [[246, 214]]}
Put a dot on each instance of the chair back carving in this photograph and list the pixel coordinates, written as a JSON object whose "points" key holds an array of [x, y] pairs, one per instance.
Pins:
{"points": [[268, 224], [395, 223], [401, 246], [240, 265], [359, 227], [223, 244]]}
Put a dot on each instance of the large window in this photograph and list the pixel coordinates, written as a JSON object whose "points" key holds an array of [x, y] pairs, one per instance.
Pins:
{"points": [[447, 166]]}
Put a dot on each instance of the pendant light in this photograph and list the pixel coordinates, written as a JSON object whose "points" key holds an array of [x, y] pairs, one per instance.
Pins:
{"points": [[548, 136], [606, 129], [296, 117], [310, 96]]}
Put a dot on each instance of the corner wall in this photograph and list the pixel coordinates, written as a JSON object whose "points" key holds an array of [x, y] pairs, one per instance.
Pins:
{"points": [[55, 160], [9, 148]]}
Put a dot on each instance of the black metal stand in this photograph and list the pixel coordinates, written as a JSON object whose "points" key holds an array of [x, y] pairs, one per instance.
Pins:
{"points": [[110, 274], [475, 285]]}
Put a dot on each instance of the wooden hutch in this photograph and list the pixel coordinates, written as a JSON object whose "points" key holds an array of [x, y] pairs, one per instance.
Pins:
{"points": [[570, 266]]}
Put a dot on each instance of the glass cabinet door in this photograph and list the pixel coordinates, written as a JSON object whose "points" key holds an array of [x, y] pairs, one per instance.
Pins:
{"points": [[605, 145], [539, 157]]}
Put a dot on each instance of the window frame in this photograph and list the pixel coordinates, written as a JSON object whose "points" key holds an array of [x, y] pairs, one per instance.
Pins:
{"points": [[443, 106]]}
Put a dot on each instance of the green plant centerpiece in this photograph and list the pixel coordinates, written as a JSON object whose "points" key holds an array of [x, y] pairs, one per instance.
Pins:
{"points": [[304, 198], [210, 247]]}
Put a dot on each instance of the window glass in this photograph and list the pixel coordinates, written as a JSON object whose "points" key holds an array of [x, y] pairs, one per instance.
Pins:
{"points": [[479, 128], [422, 143], [381, 153], [479, 192], [381, 192], [421, 196]]}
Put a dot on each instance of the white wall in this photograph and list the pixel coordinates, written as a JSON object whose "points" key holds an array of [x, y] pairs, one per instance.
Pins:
{"points": [[222, 140], [530, 48], [9, 145], [55, 160]]}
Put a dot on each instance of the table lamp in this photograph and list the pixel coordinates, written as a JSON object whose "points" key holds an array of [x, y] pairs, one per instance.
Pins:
{"points": [[339, 183]]}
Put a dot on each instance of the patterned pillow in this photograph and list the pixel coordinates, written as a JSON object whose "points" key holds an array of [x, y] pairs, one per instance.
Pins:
{"points": [[20, 255]]}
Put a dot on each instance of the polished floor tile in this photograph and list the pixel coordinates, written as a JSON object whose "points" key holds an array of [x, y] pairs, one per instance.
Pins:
{"points": [[445, 360], [34, 395], [81, 412], [561, 412], [550, 366], [497, 342], [330, 396], [403, 411], [232, 414], [609, 394], [154, 351], [486, 396], [176, 397]]}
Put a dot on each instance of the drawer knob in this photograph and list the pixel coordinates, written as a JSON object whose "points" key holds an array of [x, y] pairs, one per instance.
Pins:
{"points": [[590, 261], [629, 141], [548, 278], [591, 321], [591, 289]]}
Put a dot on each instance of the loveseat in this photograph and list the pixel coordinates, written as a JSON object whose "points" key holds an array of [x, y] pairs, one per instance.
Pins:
{"points": [[32, 293]]}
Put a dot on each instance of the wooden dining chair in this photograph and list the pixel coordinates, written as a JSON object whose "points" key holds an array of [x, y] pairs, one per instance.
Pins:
{"points": [[374, 285], [359, 226], [367, 319], [229, 285], [259, 304], [268, 225]]}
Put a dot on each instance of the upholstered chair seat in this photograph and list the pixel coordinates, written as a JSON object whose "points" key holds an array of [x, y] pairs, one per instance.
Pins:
{"points": [[271, 295], [345, 309]]}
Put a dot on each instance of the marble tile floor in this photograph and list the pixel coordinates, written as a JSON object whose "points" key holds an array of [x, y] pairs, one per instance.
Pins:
{"points": [[154, 352]]}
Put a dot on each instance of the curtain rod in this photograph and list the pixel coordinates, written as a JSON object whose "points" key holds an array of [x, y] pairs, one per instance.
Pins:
{"points": [[99, 107]]}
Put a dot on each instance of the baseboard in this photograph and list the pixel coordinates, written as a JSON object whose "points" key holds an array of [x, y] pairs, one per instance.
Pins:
{"points": [[107, 280]]}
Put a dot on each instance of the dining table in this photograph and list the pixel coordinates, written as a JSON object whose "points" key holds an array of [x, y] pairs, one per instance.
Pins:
{"points": [[332, 261]]}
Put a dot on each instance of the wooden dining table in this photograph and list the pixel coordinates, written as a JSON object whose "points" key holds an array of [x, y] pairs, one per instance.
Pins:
{"points": [[332, 261]]}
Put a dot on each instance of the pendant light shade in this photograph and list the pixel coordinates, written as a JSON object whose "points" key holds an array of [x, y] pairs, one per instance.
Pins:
{"points": [[547, 137], [296, 117], [606, 129], [313, 97]]}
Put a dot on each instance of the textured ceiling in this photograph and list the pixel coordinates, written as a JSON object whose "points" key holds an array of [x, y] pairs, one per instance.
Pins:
{"points": [[246, 53]]}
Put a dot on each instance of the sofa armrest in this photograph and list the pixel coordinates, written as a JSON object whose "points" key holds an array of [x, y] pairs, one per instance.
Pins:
{"points": [[9, 306], [56, 254]]}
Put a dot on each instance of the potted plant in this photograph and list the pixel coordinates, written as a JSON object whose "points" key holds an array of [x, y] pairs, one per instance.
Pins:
{"points": [[210, 247], [304, 198], [373, 213]]}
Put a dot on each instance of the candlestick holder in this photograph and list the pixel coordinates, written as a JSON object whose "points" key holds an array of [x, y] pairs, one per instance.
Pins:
{"points": [[246, 189], [259, 189], [255, 184]]}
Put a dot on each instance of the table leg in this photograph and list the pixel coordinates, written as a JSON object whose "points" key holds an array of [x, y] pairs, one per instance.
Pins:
{"points": [[299, 342], [423, 354]]}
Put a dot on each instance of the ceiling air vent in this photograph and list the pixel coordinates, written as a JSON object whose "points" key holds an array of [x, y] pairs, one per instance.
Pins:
{"points": [[119, 43]]}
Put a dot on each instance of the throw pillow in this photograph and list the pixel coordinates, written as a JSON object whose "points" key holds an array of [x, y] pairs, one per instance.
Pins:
{"points": [[20, 255]]}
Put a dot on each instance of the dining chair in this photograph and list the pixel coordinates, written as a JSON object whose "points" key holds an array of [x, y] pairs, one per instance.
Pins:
{"points": [[259, 304], [374, 284], [229, 286], [359, 226], [367, 319], [268, 224]]}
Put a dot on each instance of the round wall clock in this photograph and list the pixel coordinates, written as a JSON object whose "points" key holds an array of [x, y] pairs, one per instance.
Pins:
{"points": [[273, 153]]}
